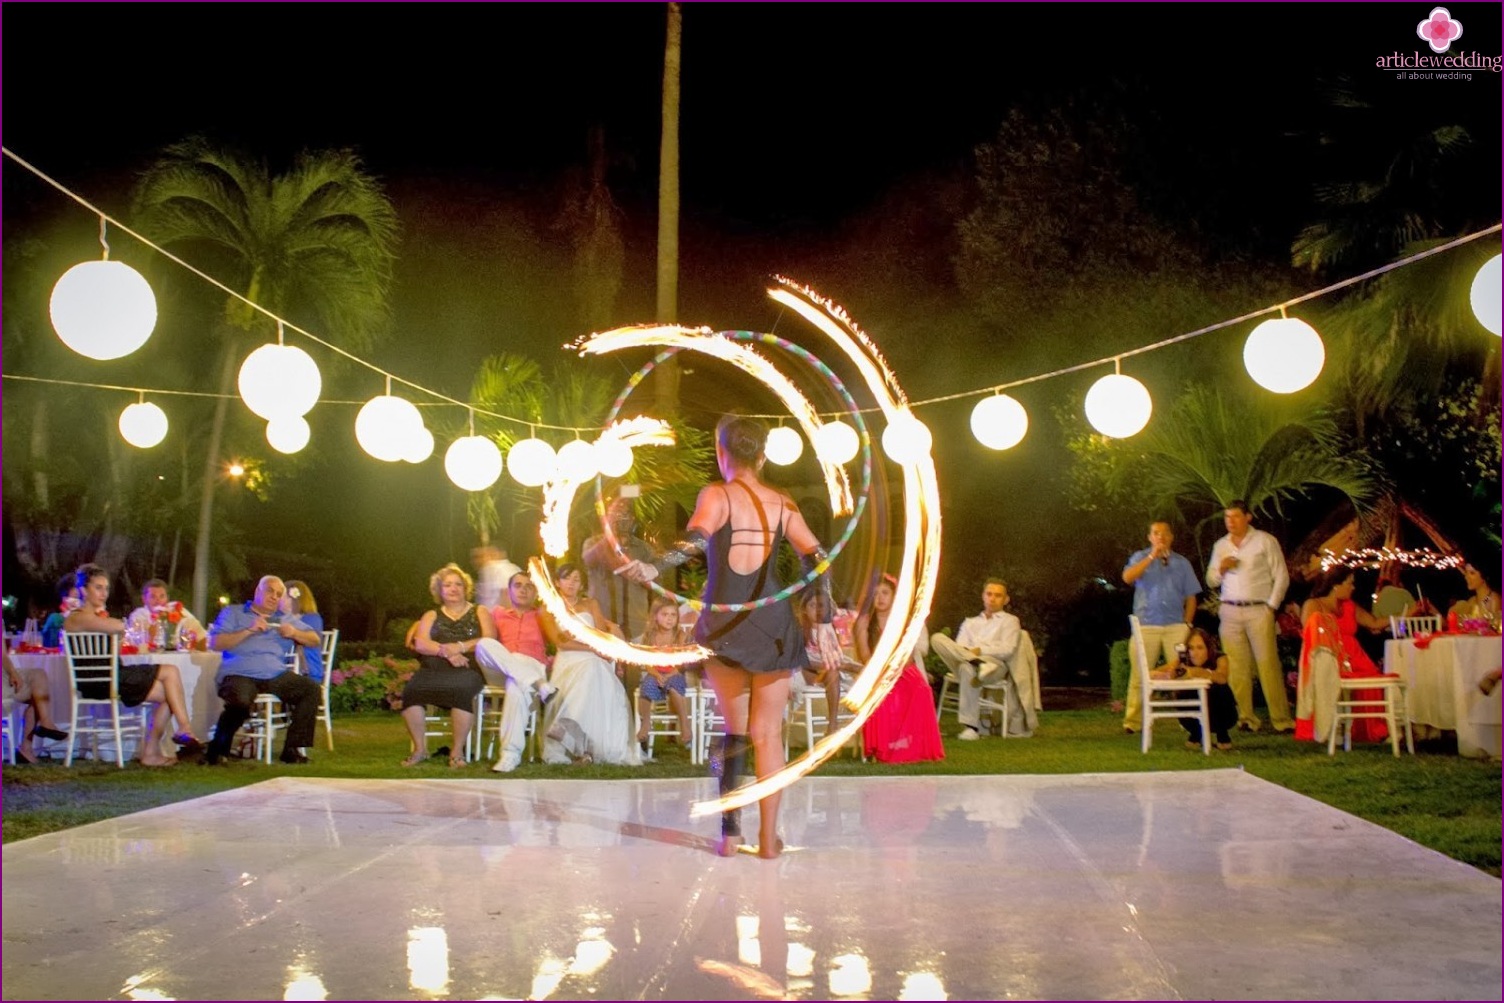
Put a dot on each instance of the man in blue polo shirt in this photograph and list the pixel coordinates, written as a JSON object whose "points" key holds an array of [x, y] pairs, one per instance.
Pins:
{"points": [[1165, 589], [254, 640]]}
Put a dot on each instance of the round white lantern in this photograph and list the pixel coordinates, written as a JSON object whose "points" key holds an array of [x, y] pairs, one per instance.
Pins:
{"points": [[577, 460], [288, 433], [836, 442], [1118, 406], [906, 439], [784, 445], [1485, 294], [143, 425], [387, 426], [103, 309], [279, 381], [531, 462], [419, 445], [1284, 355], [999, 422], [613, 457], [473, 462]]}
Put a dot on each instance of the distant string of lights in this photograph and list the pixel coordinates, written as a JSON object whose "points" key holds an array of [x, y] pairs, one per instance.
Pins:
{"points": [[1373, 557], [105, 310]]}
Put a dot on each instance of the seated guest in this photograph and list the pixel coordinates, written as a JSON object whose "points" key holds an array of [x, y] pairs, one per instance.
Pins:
{"points": [[1201, 660], [812, 610], [298, 602], [1482, 601], [903, 728], [29, 687], [589, 720], [1332, 620], [448, 675], [254, 640], [518, 660], [154, 603], [68, 601], [662, 682], [983, 652], [136, 684]]}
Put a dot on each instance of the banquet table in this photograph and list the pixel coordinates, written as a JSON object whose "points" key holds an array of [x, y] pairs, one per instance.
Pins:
{"points": [[196, 667], [1441, 682]]}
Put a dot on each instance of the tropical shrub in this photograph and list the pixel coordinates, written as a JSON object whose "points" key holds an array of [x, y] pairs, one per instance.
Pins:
{"points": [[369, 684]]}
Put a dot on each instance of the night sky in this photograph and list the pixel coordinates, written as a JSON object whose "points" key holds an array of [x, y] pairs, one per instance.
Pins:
{"points": [[800, 124]]}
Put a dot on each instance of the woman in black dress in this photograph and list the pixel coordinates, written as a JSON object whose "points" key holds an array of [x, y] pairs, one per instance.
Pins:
{"points": [[738, 525], [447, 675]]}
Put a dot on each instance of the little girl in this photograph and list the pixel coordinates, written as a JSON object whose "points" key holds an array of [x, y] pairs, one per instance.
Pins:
{"points": [[662, 683]]}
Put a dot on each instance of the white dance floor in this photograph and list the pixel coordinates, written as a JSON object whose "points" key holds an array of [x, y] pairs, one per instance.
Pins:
{"points": [[1211, 885]]}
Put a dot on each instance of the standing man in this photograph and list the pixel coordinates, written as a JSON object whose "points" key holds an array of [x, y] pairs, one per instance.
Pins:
{"points": [[624, 602], [1249, 568], [1164, 600], [982, 654], [492, 573], [517, 661], [255, 640]]}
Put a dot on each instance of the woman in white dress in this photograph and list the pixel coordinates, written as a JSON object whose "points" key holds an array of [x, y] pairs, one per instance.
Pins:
{"points": [[588, 720]]}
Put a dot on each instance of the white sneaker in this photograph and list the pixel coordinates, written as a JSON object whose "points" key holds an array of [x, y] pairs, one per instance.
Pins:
{"points": [[509, 761], [968, 734]]}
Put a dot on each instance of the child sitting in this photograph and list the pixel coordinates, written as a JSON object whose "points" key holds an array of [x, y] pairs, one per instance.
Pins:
{"points": [[663, 631]]}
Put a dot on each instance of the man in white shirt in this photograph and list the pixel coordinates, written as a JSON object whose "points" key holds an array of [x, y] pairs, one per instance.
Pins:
{"points": [[1248, 567], [154, 601], [982, 654]]}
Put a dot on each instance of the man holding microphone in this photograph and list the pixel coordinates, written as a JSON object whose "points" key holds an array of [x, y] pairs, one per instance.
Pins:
{"points": [[1164, 600]]}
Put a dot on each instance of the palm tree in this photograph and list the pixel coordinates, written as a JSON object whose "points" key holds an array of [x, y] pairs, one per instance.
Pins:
{"points": [[313, 245], [1207, 452]]}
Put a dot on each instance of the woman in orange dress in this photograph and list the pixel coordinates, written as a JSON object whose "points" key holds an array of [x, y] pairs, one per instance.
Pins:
{"points": [[1331, 622]]}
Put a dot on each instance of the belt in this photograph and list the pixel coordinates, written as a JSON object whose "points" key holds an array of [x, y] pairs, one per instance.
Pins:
{"points": [[1244, 602]]}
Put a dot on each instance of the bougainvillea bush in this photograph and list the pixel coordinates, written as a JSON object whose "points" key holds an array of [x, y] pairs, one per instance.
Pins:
{"points": [[370, 684]]}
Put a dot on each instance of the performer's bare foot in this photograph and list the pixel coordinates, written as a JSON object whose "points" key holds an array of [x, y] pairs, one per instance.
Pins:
{"points": [[728, 846]]}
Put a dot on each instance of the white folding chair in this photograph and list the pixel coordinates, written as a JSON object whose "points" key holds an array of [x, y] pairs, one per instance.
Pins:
{"points": [[329, 643], [489, 704], [8, 737], [661, 719], [1413, 626], [810, 709], [706, 721], [1387, 705], [94, 661], [1170, 698], [268, 716], [994, 699]]}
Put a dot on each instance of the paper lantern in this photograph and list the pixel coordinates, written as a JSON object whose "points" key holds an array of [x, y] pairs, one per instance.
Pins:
{"points": [[906, 439], [613, 458], [1485, 294], [278, 381], [577, 460], [999, 422], [386, 427], [103, 309], [531, 462], [288, 433], [419, 445], [836, 442], [143, 425], [784, 445], [1284, 355], [1118, 406], [473, 462]]}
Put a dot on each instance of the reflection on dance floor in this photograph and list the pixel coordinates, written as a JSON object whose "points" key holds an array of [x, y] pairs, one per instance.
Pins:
{"points": [[1134, 886]]}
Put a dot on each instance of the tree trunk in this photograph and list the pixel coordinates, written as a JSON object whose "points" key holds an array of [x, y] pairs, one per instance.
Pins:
{"points": [[666, 381], [211, 478]]}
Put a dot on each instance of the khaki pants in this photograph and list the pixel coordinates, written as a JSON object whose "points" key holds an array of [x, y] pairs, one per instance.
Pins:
{"points": [[1159, 645], [1248, 640]]}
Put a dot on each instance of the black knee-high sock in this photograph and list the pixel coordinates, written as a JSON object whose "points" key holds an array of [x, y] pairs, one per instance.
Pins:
{"points": [[728, 763]]}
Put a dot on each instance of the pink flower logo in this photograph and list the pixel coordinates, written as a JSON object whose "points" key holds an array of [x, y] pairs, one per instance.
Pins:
{"points": [[1439, 30]]}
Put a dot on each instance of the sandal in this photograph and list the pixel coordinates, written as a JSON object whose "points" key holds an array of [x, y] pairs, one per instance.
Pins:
{"points": [[415, 759], [457, 763]]}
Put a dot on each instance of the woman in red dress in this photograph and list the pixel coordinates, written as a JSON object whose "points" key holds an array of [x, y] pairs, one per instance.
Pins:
{"points": [[1331, 622], [903, 728]]}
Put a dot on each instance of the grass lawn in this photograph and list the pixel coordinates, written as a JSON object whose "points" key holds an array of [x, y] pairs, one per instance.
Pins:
{"points": [[1435, 798]]}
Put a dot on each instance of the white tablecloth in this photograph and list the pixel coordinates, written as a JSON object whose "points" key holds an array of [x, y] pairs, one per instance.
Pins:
{"points": [[196, 667], [1441, 683]]}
